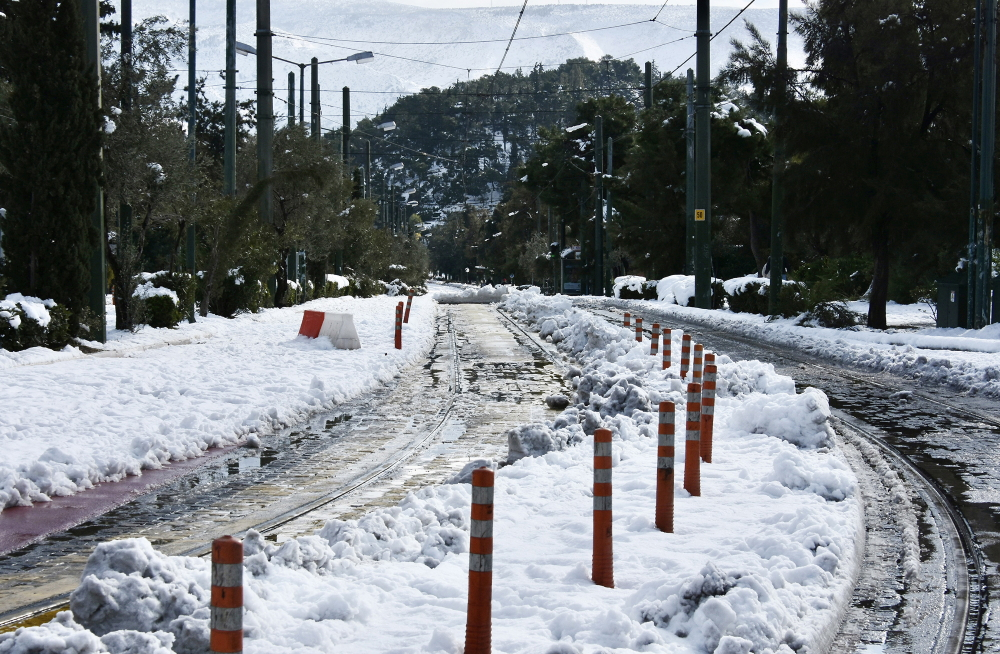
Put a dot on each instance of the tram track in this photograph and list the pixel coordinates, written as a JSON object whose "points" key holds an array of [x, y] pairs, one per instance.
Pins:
{"points": [[30, 613], [964, 631]]}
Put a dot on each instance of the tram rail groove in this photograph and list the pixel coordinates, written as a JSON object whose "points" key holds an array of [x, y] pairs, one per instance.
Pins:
{"points": [[967, 638], [32, 611]]}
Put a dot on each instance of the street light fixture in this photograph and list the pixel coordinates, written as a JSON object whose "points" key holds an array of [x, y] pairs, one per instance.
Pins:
{"points": [[357, 57], [387, 126], [244, 49]]}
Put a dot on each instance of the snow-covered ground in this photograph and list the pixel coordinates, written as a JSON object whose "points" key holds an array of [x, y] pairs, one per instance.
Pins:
{"points": [[765, 559], [966, 360], [73, 423]]}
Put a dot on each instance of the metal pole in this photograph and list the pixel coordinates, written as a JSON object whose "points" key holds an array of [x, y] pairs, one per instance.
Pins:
{"points": [[265, 109], [703, 178], [229, 155], [608, 285], [302, 94], [193, 152], [598, 206], [347, 126], [778, 169], [291, 99], [368, 169], [984, 237], [690, 176], [98, 266], [126, 55], [647, 96], [314, 100], [977, 86]]}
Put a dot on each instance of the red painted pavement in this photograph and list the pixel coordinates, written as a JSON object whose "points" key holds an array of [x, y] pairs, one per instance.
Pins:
{"points": [[23, 525]]}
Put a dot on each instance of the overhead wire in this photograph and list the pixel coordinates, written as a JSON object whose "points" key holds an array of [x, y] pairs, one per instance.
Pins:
{"points": [[712, 38]]}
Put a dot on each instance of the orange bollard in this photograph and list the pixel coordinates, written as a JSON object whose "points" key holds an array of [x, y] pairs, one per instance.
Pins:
{"points": [[638, 329], [409, 301], [666, 349], [227, 596], [665, 469], [685, 355], [603, 563], [698, 365], [692, 449], [628, 320], [708, 411], [654, 340], [478, 629], [399, 326]]}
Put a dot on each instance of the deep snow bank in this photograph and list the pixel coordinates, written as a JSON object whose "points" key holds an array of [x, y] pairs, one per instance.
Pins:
{"points": [[71, 424], [764, 561], [966, 360]]}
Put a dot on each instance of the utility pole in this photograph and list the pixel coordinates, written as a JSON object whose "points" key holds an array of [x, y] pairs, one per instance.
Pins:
{"points": [[125, 209], [347, 128], [690, 175], [598, 206], [703, 160], [302, 94], [647, 96], [126, 55], [368, 169], [977, 90], [987, 134], [98, 266], [229, 152], [291, 99], [608, 281], [314, 100], [193, 152], [778, 170], [265, 110]]}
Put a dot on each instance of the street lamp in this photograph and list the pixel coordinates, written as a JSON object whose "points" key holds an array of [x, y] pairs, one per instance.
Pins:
{"points": [[387, 127]]}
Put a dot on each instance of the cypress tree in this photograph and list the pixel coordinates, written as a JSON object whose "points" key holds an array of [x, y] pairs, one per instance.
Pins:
{"points": [[49, 152]]}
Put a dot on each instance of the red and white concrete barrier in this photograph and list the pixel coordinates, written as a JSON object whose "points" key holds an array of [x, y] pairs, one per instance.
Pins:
{"points": [[338, 327]]}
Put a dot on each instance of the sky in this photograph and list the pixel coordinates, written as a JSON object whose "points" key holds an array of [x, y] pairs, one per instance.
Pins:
{"points": [[758, 4]]}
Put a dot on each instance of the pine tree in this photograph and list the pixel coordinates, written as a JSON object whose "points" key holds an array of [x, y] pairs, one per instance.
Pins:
{"points": [[49, 152]]}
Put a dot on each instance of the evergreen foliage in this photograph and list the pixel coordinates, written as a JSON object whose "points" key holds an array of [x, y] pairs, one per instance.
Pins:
{"points": [[49, 149]]}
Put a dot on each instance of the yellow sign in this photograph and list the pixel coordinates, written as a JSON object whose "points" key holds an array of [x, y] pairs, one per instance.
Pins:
{"points": [[699, 215]]}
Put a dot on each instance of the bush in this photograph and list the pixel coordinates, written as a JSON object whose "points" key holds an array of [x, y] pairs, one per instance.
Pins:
{"points": [[164, 297], [30, 322], [647, 292], [161, 311], [837, 278], [834, 315], [752, 298]]}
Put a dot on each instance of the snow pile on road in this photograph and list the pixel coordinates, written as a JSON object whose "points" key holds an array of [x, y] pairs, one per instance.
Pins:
{"points": [[800, 419], [964, 360], [254, 376], [483, 295], [65, 636], [763, 561]]}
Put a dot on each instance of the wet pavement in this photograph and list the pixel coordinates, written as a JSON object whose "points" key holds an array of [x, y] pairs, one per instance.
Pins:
{"points": [[480, 379], [953, 439]]}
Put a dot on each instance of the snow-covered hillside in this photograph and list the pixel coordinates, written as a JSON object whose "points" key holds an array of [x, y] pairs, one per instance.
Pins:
{"points": [[306, 27]]}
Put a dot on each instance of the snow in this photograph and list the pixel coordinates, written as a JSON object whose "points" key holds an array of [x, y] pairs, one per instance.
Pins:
{"points": [[764, 560], [301, 30], [338, 280], [483, 295], [234, 378], [34, 309], [964, 360], [146, 290]]}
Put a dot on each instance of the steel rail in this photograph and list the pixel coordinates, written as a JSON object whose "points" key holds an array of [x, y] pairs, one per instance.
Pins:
{"points": [[28, 612], [966, 637]]}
